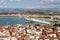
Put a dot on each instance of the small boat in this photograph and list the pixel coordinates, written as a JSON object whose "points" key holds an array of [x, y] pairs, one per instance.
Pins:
{"points": [[29, 21], [18, 25]]}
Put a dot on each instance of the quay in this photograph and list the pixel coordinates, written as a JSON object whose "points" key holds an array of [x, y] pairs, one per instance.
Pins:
{"points": [[37, 20]]}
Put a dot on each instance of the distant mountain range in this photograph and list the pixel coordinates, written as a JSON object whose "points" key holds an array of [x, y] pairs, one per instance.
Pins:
{"points": [[49, 9], [10, 10], [22, 9]]}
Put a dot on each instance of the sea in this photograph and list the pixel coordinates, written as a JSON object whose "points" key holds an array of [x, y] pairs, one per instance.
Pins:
{"points": [[13, 21]]}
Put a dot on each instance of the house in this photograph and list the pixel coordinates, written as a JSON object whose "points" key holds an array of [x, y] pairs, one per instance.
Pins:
{"points": [[13, 38], [51, 34]]}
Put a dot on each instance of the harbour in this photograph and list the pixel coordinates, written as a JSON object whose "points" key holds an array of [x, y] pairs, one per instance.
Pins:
{"points": [[14, 20]]}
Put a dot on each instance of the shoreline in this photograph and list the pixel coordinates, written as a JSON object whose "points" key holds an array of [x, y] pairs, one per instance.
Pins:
{"points": [[8, 15]]}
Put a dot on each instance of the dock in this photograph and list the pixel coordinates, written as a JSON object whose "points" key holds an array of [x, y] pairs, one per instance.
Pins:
{"points": [[36, 20]]}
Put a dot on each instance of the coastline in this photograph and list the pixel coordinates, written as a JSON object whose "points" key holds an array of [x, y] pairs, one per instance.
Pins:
{"points": [[8, 15]]}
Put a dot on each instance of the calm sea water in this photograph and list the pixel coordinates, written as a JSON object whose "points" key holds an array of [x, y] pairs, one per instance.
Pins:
{"points": [[12, 21]]}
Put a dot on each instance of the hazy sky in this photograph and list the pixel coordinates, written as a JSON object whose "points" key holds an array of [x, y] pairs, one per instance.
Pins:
{"points": [[29, 4]]}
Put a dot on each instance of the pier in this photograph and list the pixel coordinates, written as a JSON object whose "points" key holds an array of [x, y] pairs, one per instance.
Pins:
{"points": [[36, 20]]}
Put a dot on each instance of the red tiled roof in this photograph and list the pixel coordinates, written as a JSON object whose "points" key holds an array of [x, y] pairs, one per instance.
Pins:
{"points": [[50, 33]]}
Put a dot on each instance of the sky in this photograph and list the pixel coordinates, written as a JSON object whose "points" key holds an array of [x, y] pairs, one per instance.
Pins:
{"points": [[30, 4]]}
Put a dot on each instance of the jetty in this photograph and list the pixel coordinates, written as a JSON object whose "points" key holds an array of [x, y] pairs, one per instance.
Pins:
{"points": [[37, 20]]}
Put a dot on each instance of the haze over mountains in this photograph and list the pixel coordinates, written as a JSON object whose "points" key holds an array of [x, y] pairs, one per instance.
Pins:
{"points": [[23, 9]]}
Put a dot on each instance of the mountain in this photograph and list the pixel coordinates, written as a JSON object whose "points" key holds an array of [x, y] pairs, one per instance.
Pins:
{"points": [[11, 10], [24, 10], [51, 9]]}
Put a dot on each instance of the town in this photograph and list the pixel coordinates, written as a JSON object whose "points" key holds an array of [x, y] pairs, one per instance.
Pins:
{"points": [[29, 32]]}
